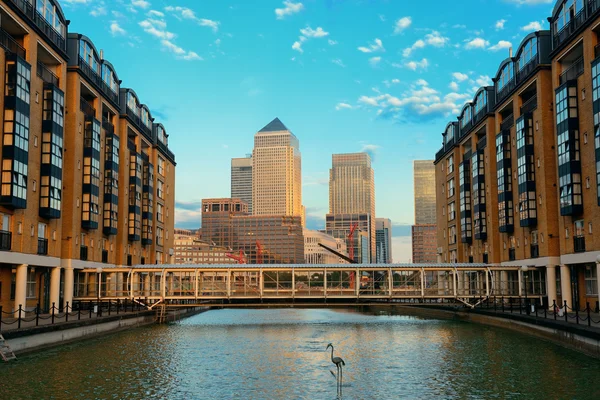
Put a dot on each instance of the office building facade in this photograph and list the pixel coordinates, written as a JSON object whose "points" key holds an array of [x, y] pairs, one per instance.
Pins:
{"points": [[339, 226], [423, 233], [189, 249], [315, 254], [241, 180], [383, 241]]}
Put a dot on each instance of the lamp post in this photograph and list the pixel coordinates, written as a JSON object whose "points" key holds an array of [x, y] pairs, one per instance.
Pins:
{"points": [[524, 269]]}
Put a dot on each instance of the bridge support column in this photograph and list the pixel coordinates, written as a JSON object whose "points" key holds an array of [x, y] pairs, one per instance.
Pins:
{"points": [[503, 283], [21, 289], [261, 283], [69, 286], [520, 275], [565, 285], [422, 282], [147, 284], [551, 284], [390, 282], [55, 287]]}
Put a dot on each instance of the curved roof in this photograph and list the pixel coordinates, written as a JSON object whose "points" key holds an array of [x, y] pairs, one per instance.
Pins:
{"points": [[481, 90], [159, 125], [129, 90], [524, 42], [453, 123], [145, 107], [59, 10], [89, 41], [502, 65], [557, 6], [462, 111], [112, 68]]}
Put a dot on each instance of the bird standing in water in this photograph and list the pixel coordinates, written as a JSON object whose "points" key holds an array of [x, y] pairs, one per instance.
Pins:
{"points": [[339, 363]]}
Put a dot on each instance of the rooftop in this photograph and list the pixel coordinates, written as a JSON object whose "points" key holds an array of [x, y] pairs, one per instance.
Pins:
{"points": [[274, 126]]}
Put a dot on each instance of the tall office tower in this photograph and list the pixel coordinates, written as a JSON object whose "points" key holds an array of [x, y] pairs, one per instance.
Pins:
{"points": [[241, 180], [276, 172], [340, 225], [424, 234], [424, 181], [352, 190], [383, 240]]}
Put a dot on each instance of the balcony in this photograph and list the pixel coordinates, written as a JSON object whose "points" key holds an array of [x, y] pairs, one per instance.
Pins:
{"points": [[87, 108], [535, 251], [42, 247], [507, 122], [529, 105], [105, 256], [107, 126], [108, 92], [139, 124], [507, 89], [168, 153], [83, 253], [10, 44], [46, 75], [89, 72], [597, 50], [573, 71], [524, 73], [575, 23], [38, 19], [5, 240], [482, 143], [512, 254], [579, 244]]}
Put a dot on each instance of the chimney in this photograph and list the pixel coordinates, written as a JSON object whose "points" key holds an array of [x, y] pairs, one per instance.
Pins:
{"points": [[102, 54], [510, 52]]}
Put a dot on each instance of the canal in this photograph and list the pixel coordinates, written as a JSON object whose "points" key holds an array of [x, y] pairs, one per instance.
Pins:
{"points": [[280, 354]]}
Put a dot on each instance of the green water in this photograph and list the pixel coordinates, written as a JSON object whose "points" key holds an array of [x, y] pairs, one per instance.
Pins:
{"points": [[280, 354]]}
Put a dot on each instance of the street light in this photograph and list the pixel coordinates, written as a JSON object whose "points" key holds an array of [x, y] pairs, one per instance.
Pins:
{"points": [[525, 268]]}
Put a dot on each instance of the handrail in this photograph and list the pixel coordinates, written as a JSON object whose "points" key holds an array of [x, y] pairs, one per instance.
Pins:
{"points": [[573, 71], [87, 108], [507, 122], [46, 75], [10, 44], [529, 105]]}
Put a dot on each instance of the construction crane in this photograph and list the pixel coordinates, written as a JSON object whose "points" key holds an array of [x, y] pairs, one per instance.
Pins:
{"points": [[241, 259], [259, 253], [351, 241]]}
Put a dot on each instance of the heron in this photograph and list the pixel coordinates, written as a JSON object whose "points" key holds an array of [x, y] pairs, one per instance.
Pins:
{"points": [[338, 363]]}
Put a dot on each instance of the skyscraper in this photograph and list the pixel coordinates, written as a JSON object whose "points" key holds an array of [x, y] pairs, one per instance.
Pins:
{"points": [[276, 172], [424, 181], [383, 240], [352, 190], [424, 233], [241, 180]]}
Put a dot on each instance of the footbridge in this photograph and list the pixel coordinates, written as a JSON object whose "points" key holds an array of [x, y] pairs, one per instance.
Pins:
{"points": [[239, 285]]}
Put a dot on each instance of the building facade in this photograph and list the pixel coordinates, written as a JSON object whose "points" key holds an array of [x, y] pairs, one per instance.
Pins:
{"points": [[383, 241], [424, 244], [217, 227], [241, 180], [189, 249], [423, 233], [315, 254], [87, 177], [352, 191], [276, 172], [340, 225], [518, 176]]}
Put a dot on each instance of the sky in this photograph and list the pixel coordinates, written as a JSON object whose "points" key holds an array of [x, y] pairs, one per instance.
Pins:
{"points": [[382, 76]]}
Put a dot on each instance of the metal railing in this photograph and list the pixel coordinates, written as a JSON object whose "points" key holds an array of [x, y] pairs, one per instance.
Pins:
{"points": [[139, 124], [89, 72], [42, 248], [529, 105], [524, 73], [573, 71], [166, 151], [482, 143], [11, 45], [107, 126], [5, 240], [46, 75], [562, 35], [507, 89], [507, 122], [87, 108], [52, 34], [110, 94]]}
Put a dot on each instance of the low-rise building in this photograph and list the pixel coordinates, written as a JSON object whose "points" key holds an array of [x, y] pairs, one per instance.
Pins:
{"points": [[315, 254]]}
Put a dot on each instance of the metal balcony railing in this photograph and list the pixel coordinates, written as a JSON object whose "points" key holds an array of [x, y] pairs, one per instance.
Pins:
{"points": [[10, 44], [54, 36], [139, 124], [46, 75], [529, 105], [507, 122], [503, 93], [107, 126], [42, 247], [573, 71], [5, 240], [87, 108]]}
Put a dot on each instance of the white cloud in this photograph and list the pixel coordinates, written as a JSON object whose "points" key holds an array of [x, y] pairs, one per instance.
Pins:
{"points": [[477, 43], [332, 42], [98, 10], [154, 13], [156, 28], [453, 86], [533, 26], [377, 45], [483, 80], [502, 44], [500, 24], [339, 62], [289, 9], [459, 76], [374, 61], [343, 106], [140, 4], [186, 13], [434, 39], [115, 29], [402, 24], [313, 33], [414, 65], [298, 44]]}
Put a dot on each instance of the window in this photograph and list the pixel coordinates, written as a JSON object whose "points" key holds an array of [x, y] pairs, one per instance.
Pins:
{"points": [[529, 53], [451, 211], [591, 280], [466, 117], [108, 76], [579, 230], [5, 222], [30, 284], [451, 188], [161, 166], [159, 213], [48, 10], [87, 54], [450, 164], [568, 9], [506, 76], [452, 235], [596, 110], [42, 231], [480, 102], [52, 153], [132, 103], [526, 171], [159, 189]]}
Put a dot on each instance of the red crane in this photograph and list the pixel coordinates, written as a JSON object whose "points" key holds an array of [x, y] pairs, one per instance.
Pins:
{"points": [[259, 253], [241, 259]]}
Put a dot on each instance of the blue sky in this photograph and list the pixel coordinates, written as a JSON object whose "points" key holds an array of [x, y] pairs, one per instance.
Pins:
{"points": [[383, 76]]}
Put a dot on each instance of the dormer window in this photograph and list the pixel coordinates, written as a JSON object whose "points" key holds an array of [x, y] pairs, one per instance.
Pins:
{"points": [[480, 102], [132, 103], [528, 54], [567, 12], [506, 76], [146, 118], [48, 10], [162, 136], [466, 117], [86, 52], [108, 76]]}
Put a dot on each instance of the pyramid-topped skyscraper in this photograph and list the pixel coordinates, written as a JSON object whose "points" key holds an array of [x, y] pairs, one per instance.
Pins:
{"points": [[277, 172]]}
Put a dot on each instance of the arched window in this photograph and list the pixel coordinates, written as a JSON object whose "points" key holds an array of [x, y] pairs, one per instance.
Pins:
{"points": [[466, 117], [566, 12], [507, 75], [49, 11], [132, 103], [480, 101], [86, 52], [108, 76], [529, 53], [146, 118]]}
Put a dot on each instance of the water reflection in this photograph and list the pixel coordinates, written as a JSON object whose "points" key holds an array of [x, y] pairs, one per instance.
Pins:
{"points": [[261, 354]]}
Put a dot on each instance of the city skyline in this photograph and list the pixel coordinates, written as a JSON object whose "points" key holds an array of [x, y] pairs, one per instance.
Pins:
{"points": [[348, 87]]}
